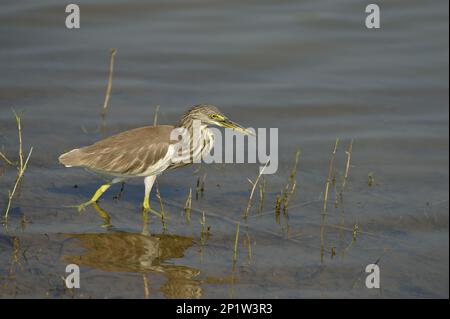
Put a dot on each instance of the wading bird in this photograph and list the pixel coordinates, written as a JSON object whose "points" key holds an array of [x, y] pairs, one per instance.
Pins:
{"points": [[148, 151]]}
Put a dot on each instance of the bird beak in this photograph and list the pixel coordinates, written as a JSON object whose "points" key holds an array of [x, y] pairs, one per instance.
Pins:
{"points": [[235, 127]]}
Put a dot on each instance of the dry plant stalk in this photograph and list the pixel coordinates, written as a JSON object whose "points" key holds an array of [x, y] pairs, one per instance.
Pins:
{"points": [[344, 184], [236, 241], [203, 223], [197, 188], [23, 164], [188, 206], [15, 259], [277, 209], [161, 205], [347, 165], [249, 248], [19, 129], [254, 184], [293, 175], [146, 286], [370, 180], [335, 192], [155, 117], [7, 161], [205, 229], [330, 174], [262, 194], [287, 196], [291, 185], [355, 231], [325, 200], [109, 85], [284, 196], [200, 186]]}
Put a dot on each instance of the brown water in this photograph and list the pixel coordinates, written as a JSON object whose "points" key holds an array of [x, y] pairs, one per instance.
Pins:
{"points": [[310, 68]]}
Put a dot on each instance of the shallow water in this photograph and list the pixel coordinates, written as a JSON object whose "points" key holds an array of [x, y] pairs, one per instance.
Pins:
{"points": [[310, 69]]}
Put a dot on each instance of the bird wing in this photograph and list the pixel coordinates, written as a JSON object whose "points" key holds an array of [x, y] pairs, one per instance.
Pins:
{"points": [[130, 153]]}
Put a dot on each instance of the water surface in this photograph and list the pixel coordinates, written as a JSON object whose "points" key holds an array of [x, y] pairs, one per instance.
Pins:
{"points": [[309, 68]]}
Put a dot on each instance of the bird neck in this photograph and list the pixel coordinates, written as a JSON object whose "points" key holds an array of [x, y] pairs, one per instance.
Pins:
{"points": [[196, 140], [186, 122], [190, 125]]}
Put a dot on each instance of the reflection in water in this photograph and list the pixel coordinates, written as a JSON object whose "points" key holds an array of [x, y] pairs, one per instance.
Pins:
{"points": [[103, 215], [128, 252]]}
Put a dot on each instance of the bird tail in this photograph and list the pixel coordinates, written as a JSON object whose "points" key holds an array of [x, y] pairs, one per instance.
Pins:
{"points": [[70, 158]]}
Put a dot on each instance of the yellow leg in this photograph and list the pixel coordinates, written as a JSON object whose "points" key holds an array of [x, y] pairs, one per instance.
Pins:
{"points": [[146, 203], [148, 182], [102, 189]]}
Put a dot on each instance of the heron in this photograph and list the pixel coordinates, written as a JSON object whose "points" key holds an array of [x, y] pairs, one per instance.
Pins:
{"points": [[149, 151]]}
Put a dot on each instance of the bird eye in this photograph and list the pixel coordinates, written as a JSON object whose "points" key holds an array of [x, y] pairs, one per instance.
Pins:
{"points": [[214, 116]]}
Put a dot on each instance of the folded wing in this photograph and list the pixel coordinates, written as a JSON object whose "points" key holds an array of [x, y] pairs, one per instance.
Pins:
{"points": [[136, 152]]}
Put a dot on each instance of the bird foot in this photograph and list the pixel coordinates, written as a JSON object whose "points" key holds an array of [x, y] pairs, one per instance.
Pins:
{"points": [[145, 207], [82, 207]]}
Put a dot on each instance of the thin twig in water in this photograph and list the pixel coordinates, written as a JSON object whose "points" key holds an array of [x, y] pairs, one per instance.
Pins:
{"points": [[7, 161], [199, 190], [330, 174], [291, 185], [370, 180], [18, 179], [344, 184], [254, 184], [236, 241], [355, 232], [335, 192], [202, 186], [277, 209], [249, 248], [108, 91], [146, 286], [161, 205], [23, 164], [262, 194], [325, 200], [347, 166], [205, 229], [109, 85], [188, 206], [155, 117], [19, 131], [293, 175]]}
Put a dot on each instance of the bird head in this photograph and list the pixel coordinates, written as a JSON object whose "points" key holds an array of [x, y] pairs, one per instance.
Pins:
{"points": [[210, 115]]}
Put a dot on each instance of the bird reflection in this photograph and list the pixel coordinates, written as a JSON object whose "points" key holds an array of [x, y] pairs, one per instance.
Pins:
{"points": [[138, 253], [103, 214]]}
